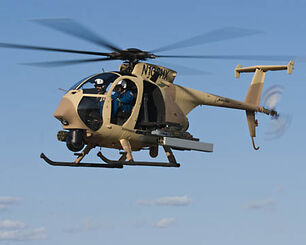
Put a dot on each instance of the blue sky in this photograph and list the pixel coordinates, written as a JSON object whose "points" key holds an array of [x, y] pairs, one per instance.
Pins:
{"points": [[233, 196]]}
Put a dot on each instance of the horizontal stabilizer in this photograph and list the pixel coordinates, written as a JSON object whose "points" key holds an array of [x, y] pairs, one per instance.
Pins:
{"points": [[239, 69]]}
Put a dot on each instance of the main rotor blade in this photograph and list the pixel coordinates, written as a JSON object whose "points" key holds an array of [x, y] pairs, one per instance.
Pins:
{"points": [[66, 62], [236, 57], [21, 46], [181, 69], [213, 36], [73, 28]]}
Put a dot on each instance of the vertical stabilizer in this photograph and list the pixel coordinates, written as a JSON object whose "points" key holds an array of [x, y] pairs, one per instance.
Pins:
{"points": [[255, 89]]}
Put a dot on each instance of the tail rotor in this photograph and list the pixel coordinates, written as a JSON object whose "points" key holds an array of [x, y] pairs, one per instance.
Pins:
{"points": [[279, 122]]}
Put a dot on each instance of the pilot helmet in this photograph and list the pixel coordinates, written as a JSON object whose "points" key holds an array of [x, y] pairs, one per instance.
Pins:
{"points": [[122, 83], [99, 82]]}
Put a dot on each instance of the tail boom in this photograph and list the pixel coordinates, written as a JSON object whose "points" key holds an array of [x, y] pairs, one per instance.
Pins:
{"points": [[187, 98]]}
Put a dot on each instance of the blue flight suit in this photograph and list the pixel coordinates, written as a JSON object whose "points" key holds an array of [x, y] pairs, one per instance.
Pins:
{"points": [[123, 101]]}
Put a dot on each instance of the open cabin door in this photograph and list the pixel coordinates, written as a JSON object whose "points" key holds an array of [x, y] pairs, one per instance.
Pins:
{"points": [[152, 111], [118, 111]]}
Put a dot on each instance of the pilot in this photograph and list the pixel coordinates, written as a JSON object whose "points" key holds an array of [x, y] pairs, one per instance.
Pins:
{"points": [[122, 100], [101, 86]]}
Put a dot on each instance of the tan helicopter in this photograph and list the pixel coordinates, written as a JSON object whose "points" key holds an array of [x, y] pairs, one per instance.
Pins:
{"points": [[158, 107]]}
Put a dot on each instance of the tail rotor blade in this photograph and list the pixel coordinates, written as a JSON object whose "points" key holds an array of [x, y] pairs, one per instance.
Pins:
{"points": [[280, 122], [272, 97], [278, 127]]}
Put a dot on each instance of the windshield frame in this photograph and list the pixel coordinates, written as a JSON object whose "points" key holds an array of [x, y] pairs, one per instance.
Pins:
{"points": [[78, 85]]}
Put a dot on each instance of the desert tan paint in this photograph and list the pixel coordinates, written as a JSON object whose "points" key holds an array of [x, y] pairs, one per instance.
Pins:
{"points": [[179, 101]]}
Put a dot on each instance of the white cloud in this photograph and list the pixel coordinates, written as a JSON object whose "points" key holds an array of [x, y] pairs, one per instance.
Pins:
{"points": [[9, 200], [164, 223], [86, 225], [167, 201], [11, 224], [23, 235], [261, 204], [6, 202], [11, 230]]}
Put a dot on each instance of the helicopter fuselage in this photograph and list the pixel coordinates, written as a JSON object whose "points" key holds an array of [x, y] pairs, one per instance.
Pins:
{"points": [[159, 107], [154, 107]]}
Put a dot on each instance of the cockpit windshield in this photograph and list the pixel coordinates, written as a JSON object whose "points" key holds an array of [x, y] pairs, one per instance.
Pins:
{"points": [[89, 84], [120, 101]]}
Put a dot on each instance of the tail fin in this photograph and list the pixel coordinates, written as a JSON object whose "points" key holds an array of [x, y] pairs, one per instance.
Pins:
{"points": [[255, 90]]}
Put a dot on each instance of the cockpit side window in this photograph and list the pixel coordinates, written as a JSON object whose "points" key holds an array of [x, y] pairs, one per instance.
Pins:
{"points": [[90, 108]]}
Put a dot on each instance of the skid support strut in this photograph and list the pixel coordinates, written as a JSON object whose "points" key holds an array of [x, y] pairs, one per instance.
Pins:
{"points": [[169, 154], [83, 154], [126, 146]]}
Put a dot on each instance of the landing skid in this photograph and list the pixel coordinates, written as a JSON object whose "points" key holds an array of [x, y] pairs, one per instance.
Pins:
{"points": [[74, 164], [136, 163], [110, 163]]}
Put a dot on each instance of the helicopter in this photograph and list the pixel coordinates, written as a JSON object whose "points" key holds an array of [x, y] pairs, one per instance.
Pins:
{"points": [[158, 110]]}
